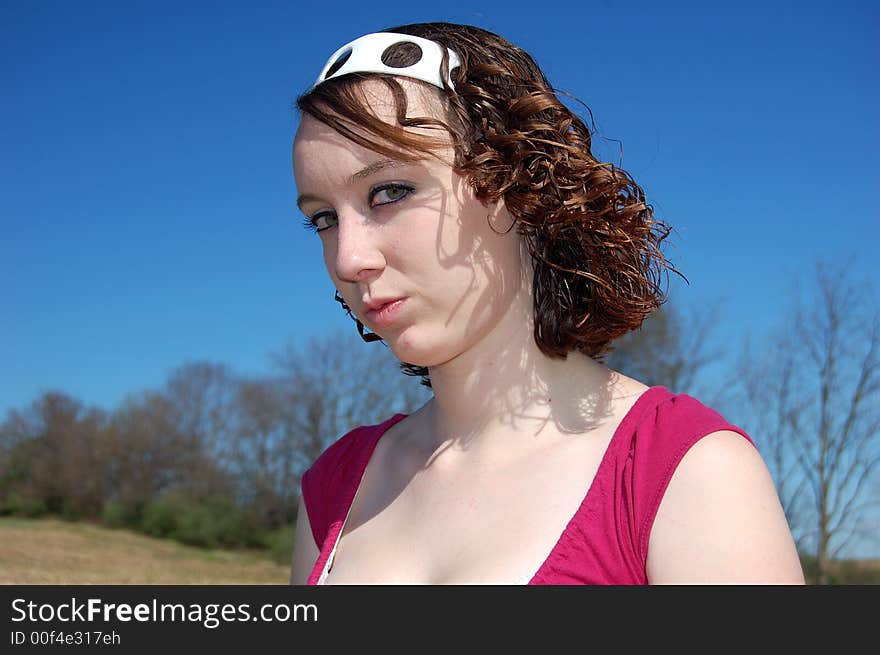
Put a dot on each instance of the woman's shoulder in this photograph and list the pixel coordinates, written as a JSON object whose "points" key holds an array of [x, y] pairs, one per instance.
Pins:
{"points": [[655, 437], [330, 482], [350, 448], [672, 423], [666, 427], [720, 519], [705, 501]]}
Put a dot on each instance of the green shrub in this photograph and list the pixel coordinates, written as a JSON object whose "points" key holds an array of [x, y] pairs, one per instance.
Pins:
{"points": [[213, 523], [279, 543], [17, 505], [218, 523], [161, 519], [810, 567], [117, 514], [71, 511]]}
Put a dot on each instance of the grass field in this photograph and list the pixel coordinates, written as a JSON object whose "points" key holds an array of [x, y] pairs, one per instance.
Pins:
{"points": [[50, 551]]}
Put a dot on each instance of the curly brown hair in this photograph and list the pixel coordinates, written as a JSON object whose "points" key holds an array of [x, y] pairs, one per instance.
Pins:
{"points": [[594, 241]]}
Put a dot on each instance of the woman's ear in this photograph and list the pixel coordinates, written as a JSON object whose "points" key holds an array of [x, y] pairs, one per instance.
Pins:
{"points": [[500, 220]]}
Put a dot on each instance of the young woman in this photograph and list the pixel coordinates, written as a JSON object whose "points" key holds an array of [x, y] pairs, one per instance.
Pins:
{"points": [[464, 221]]}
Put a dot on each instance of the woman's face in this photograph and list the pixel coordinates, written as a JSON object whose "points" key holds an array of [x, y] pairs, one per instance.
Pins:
{"points": [[407, 244]]}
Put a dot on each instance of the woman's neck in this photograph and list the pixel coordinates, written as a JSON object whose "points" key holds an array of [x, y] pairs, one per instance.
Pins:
{"points": [[505, 386]]}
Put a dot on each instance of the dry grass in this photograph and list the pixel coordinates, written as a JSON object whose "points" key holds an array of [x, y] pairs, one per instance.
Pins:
{"points": [[50, 551], [866, 571], [56, 552]]}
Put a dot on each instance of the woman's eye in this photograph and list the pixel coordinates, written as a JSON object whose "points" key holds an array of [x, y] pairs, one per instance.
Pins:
{"points": [[321, 221], [387, 193]]}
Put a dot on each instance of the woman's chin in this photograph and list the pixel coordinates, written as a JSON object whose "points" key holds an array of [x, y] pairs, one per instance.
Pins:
{"points": [[413, 358], [416, 354]]}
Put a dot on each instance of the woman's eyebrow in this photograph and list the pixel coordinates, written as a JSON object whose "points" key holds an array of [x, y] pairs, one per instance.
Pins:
{"points": [[375, 167], [366, 171]]}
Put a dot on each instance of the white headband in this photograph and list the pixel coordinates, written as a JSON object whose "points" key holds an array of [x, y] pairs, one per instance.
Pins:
{"points": [[364, 55]]}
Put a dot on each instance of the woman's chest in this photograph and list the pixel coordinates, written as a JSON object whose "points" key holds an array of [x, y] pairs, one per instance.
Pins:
{"points": [[491, 525]]}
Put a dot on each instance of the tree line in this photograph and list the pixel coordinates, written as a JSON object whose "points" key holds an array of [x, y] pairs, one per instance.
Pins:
{"points": [[214, 457]]}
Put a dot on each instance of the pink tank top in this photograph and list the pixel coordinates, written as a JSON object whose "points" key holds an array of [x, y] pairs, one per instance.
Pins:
{"points": [[605, 542]]}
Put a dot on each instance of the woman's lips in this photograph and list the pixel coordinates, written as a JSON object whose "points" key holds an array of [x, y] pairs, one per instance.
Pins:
{"points": [[384, 316]]}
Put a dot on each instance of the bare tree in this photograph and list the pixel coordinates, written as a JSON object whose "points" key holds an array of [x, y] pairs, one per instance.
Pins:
{"points": [[815, 397], [332, 384], [265, 452], [201, 400], [15, 460], [672, 348], [768, 385], [146, 449], [51, 453], [842, 343]]}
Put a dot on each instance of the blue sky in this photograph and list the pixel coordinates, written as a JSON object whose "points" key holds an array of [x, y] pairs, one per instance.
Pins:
{"points": [[148, 209]]}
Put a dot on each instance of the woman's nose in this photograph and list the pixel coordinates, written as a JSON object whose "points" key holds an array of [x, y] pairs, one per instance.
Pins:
{"points": [[358, 254]]}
